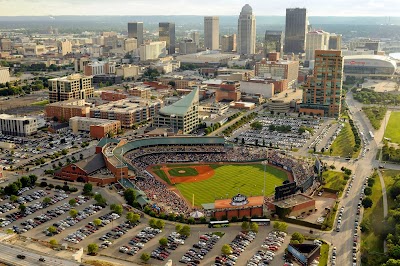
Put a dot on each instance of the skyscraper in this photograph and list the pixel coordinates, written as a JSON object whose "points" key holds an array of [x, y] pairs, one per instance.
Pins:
{"points": [[273, 42], [135, 30], [211, 33], [316, 40], [195, 36], [228, 43], [246, 41], [322, 95], [295, 30], [335, 41], [166, 32]]}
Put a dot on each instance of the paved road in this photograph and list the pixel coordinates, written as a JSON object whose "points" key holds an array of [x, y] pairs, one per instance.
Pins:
{"points": [[9, 255]]}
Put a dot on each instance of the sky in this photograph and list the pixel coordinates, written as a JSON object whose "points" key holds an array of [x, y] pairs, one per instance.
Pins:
{"points": [[196, 7]]}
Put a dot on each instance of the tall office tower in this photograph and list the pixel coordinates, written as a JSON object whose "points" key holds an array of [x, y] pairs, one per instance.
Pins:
{"points": [[322, 94], [246, 41], [316, 40], [211, 33], [295, 30], [335, 41], [187, 46], [273, 42], [135, 30], [228, 43], [195, 36], [166, 32]]}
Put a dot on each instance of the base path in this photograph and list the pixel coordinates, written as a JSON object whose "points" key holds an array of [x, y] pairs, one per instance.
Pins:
{"points": [[204, 172]]}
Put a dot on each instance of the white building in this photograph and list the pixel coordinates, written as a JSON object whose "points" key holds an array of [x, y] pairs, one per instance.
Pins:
{"points": [[4, 74], [211, 33], [257, 86], [65, 47], [246, 41], [127, 71], [78, 123], [33, 49], [18, 126], [153, 50], [316, 40]]}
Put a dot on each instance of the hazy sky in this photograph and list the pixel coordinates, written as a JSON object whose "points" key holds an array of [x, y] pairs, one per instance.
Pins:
{"points": [[196, 7]]}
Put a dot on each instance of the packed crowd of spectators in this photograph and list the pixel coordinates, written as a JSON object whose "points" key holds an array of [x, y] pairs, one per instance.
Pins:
{"points": [[301, 170]]}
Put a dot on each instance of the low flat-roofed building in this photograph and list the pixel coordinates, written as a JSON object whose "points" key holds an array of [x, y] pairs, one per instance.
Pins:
{"points": [[242, 105], [143, 92], [18, 126], [63, 111], [257, 86], [98, 128], [113, 96], [279, 106], [297, 204], [206, 58], [129, 111], [214, 108]]}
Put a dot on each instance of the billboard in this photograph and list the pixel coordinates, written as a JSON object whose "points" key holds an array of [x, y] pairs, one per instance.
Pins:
{"points": [[285, 190]]}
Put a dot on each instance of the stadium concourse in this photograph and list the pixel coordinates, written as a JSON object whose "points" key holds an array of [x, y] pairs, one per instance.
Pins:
{"points": [[142, 153]]}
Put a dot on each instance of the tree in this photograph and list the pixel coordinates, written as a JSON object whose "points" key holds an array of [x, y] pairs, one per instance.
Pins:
{"points": [[145, 257], [245, 226], [46, 200], [226, 249], [22, 208], [93, 248], [152, 223], [25, 181], [130, 196], [116, 208], [53, 242], [87, 188], [51, 230], [132, 217], [392, 262], [367, 202], [64, 151], [97, 222], [178, 227], [281, 226], [185, 230], [72, 202], [81, 156], [163, 241], [13, 198], [160, 224], [367, 191], [73, 213], [257, 125], [254, 227], [297, 237], [33, 179]]}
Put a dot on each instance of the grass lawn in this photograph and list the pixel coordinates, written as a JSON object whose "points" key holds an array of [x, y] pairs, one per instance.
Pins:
{"points": [[185, 171], [330, 218], [344, 143], [162, 175], [41, 103], [334, 180], [324, 253], [375, 115], [371, 241], [388, 177], [393, 127], [228, 180]]}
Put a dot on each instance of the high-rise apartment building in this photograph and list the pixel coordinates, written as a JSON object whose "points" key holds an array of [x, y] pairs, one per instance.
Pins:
{"points": [[75, 86], [135, 30], [335, 41], [282, 69], [228, 43], [130, 45], [295, 30], [65, 47], [167, 33], [316, 40], [187, 46], [273, 42], [322, 95], [211, 33], [195, 36], [246, 41], [153, 50]]}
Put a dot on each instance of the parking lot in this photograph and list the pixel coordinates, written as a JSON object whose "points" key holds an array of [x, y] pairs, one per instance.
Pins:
{"points": [[282, 131]]}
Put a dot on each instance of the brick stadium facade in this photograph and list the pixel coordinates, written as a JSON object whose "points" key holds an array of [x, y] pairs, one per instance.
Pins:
{"points": [[244, 207]]}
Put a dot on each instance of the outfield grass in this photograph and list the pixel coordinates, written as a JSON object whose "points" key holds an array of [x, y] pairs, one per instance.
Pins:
{"points": [[162, 175], [371, 241], [344, 143], [334, 180], [228, 180], [393, 127], [188, 171]]}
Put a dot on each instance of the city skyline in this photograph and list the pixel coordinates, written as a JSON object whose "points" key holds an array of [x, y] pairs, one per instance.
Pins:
{"points": [[207, 7]]}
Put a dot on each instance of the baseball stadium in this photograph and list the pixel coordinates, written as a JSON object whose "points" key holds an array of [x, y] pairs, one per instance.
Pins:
{"points": [[183, 174]]}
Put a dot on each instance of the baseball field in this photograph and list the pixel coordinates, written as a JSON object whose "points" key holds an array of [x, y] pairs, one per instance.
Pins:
{"points": [[208, 182]]}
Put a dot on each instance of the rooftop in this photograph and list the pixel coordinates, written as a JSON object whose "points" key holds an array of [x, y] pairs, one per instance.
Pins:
{"points": [[13, 117], [71, 77], [92, 164], [292, 201], [125, 105], [226, 203], [182, 106]]}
